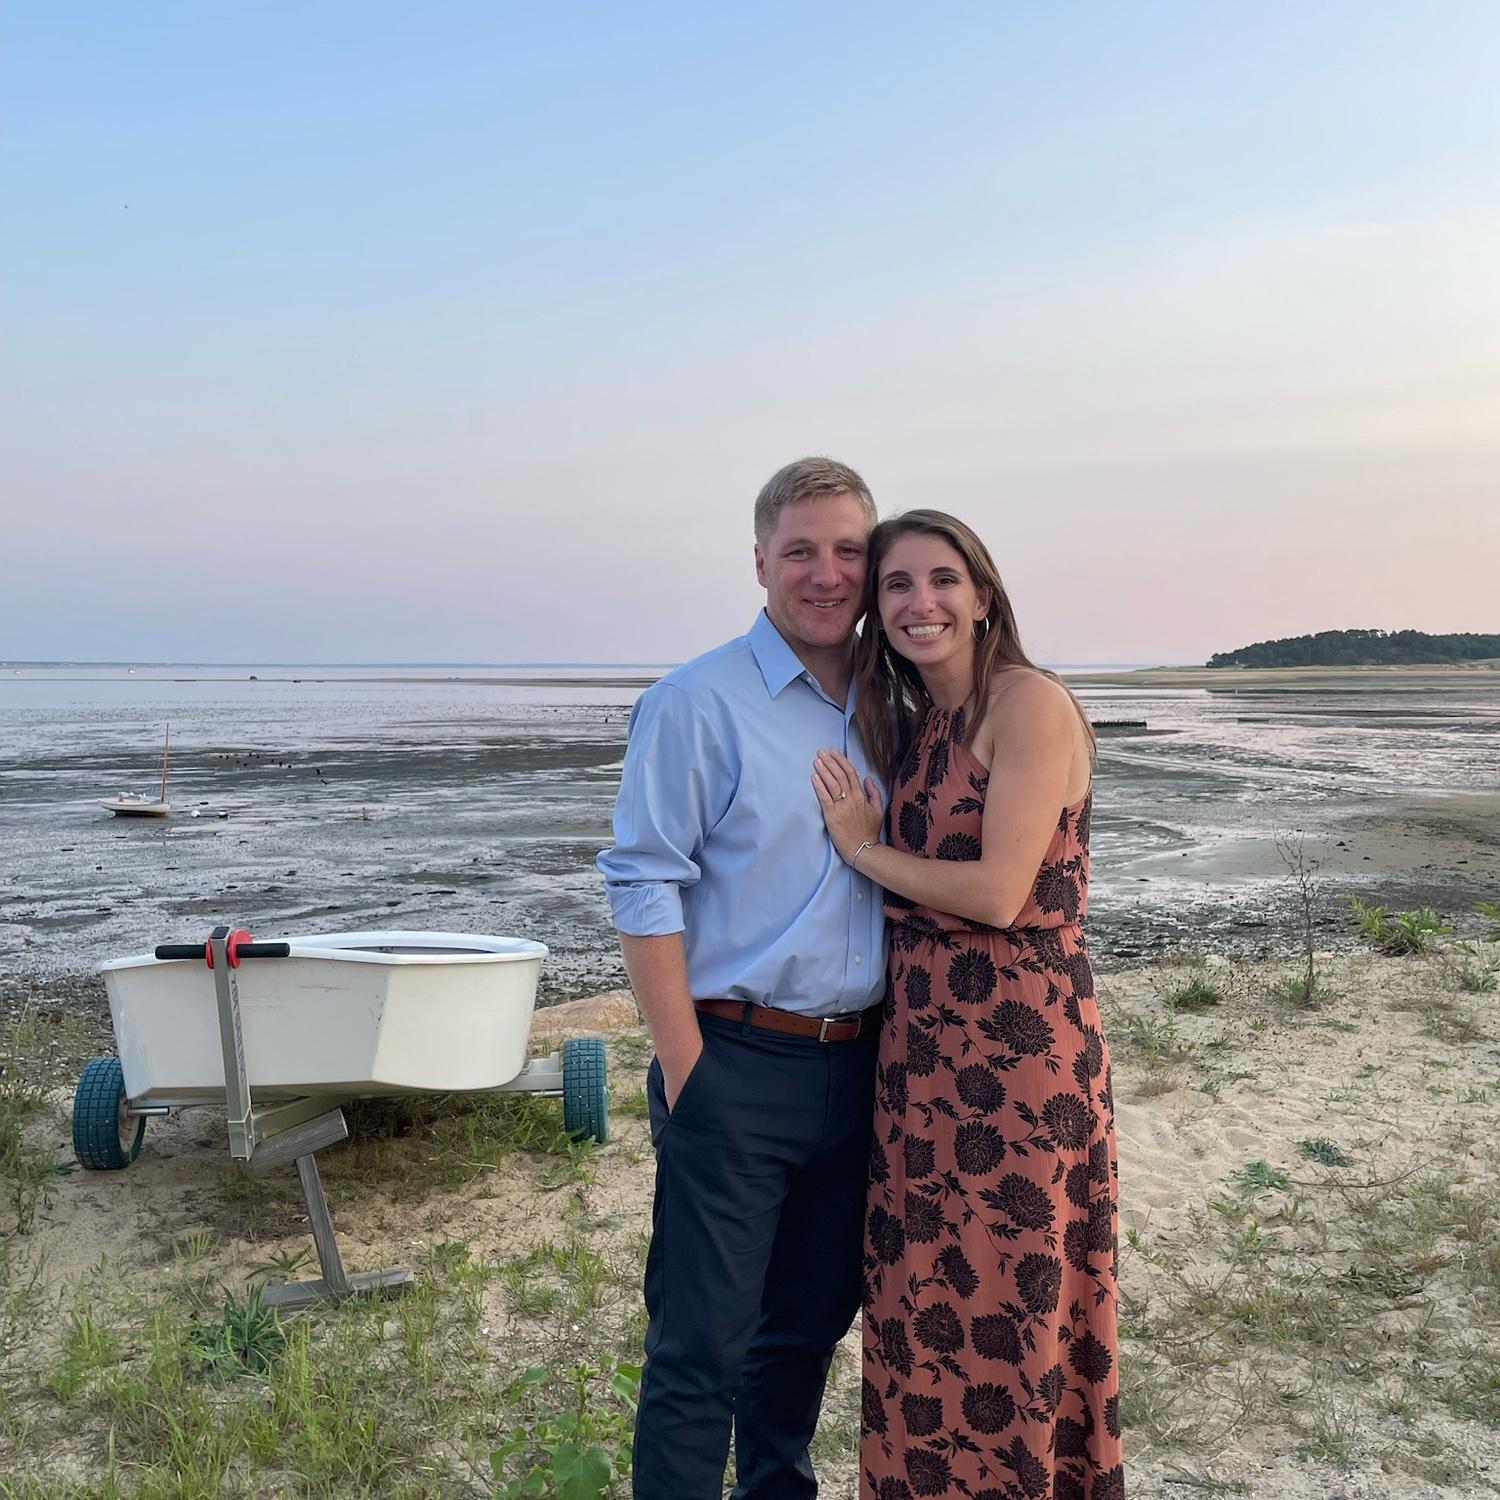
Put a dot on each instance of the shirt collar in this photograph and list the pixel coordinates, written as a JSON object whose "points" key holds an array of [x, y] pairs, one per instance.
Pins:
{"points": [[779, 664], [777, 661]]}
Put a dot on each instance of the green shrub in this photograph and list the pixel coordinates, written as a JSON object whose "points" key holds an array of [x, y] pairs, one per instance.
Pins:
{"points": [[1297, 989], [1397, 933], [576, 1443], [1197, 994], [248, 1337]]}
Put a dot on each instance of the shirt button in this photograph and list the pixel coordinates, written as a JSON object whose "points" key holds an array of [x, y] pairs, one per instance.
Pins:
{"points": [[859, 895], [858, 959]]}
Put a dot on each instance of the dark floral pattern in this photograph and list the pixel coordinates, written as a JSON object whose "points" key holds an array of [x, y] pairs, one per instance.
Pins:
{"points": [[978, 1148], [928, 1472], [922, 1051], [918, 987], [972, 976], [1039, 1279], [937, 764], [887, 1236], [1070, 1120], [939, 1328], [1109, 1486], [954, 1266], [910, 765], [1046, 946], [1032, 1475], [990, 1261], [924, 1219], [921, 1156], [1090, 1358], [1022, 1028], [1083, 824], [1080, 974], [997, 1337], [988, 1407], [923, 1415], [1056, 886], [1027, 1204], [1089, 1063], [913, 823], [979, 1088], [959, 846]]}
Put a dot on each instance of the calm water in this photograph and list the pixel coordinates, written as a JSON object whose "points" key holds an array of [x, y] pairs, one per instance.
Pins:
{"points": [[314, 798]]}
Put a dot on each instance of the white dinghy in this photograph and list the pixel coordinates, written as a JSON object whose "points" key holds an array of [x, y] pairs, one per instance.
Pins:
{"points": [[284, 1041]]}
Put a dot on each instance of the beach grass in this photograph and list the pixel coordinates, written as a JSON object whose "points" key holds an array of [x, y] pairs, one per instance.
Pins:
{"points": [[1314, 1284], [1345, 1284], [177, 1385]]}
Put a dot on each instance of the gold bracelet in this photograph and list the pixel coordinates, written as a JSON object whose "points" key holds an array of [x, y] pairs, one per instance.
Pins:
{"points": [[854, 858]]}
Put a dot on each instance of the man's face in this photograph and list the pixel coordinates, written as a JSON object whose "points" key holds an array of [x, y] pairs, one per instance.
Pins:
{"points": [[813, 569]]}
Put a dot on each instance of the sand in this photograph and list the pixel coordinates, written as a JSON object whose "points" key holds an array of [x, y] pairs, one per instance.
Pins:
{"points": [[1298, 1340]]}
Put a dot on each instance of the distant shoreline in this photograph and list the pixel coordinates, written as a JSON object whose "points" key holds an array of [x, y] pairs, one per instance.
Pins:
{"points": [[642, 674], [1228, 678], [337, 666]]}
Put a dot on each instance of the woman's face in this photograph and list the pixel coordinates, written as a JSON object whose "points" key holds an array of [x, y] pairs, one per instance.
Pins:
{"points": [[928, 602]]}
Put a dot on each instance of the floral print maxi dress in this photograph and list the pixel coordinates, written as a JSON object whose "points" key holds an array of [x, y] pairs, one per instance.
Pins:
{"points": [[990, 1355]]}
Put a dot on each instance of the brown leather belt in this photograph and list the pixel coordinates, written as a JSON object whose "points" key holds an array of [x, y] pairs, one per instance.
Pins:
{"points": [[769, 1018]]}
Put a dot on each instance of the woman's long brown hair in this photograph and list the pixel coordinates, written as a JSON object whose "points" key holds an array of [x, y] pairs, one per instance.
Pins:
{"points": [[891, 700]]}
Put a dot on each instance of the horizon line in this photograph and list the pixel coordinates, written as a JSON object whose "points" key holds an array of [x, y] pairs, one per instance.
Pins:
{"points": [[460, 665]]}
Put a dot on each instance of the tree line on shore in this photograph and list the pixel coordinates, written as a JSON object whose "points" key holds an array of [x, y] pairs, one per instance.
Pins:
{"points": [[1361, 648]]}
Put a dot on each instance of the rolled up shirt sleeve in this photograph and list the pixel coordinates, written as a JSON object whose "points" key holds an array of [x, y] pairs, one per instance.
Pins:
{"points": [[674, 787]]}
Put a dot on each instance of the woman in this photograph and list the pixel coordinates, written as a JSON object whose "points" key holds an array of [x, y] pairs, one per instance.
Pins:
{"points": [[990, 1267]]}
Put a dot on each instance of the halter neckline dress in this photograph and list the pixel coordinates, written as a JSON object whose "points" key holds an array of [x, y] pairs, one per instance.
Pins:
{"points": [[990, 1266]]}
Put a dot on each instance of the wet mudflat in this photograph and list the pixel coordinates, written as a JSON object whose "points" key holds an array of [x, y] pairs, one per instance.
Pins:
{"points": [[312, 800]]}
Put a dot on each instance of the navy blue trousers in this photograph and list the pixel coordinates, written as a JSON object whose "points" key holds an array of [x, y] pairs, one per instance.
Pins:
{"points": [[753, 1275]]}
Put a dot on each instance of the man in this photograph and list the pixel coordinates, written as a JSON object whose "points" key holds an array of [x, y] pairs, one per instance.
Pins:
{"points": [[743, 933]]}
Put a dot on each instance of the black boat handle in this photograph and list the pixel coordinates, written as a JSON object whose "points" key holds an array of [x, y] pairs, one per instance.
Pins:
{"points": [[244, 950]]}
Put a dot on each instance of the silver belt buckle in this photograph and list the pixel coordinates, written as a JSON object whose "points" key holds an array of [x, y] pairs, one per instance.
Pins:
{"points": [[823, 1027]]}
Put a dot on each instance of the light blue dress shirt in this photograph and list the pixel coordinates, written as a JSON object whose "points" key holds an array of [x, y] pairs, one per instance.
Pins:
{"points": [[718, 833]]}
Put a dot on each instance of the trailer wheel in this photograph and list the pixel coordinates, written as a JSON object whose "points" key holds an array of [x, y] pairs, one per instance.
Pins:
{"points": [[585, 1089], [105, 1138]]}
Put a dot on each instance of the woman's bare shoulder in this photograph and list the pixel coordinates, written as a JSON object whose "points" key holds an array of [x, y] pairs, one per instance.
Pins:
{"points": [[1020, 705], [1025, 688]]}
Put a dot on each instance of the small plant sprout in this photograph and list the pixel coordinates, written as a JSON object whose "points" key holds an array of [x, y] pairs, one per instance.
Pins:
{"points": [[1260, 1174], [1475, 975], [282, 1265], [1325, 1152]]}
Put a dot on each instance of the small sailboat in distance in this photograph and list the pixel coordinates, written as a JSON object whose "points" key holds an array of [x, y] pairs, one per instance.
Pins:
{"points": [[133, 804]]}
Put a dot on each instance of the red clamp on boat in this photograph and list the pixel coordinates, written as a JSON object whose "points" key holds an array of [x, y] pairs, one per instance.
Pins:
{"points": [[231, 946]]}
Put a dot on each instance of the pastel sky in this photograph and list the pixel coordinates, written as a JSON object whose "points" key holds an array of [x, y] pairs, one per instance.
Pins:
{"points": [[466, 332]]}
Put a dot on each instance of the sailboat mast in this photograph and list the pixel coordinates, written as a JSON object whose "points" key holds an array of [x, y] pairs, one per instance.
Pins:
{"points": [[166, 746]]}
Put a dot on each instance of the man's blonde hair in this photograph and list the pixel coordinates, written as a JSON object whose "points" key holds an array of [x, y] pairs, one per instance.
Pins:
{"points": [[807, 479]]}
